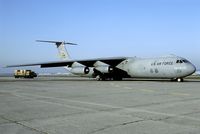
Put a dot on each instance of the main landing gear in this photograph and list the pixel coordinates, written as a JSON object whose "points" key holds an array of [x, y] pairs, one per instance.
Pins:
{"points": [[102, 78]]}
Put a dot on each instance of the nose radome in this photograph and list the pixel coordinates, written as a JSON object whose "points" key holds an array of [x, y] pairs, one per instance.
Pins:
{"points": [[194, 68], [191, 68]]}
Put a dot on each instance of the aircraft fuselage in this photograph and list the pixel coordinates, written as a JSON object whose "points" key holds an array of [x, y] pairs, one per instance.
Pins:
{"points": [[163, 67]]}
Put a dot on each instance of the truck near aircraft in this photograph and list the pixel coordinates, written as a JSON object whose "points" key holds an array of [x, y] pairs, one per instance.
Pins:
{"points": [[24, 74]]}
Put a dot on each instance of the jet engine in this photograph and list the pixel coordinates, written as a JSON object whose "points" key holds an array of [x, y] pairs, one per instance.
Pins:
{"points": [[104, 69], [80, 70]]}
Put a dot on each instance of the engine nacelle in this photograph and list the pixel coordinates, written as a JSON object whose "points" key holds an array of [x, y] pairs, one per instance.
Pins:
{"points": [[105, 69], [80, 70]]}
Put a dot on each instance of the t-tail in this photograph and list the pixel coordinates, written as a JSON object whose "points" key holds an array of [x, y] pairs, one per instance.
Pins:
{"points": [[63, 54]]}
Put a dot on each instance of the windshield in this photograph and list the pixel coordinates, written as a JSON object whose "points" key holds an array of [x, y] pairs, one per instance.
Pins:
{"points": [[182, 61]]}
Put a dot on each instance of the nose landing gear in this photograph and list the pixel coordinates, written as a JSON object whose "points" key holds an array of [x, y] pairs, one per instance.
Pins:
{"points": [[179, 79]]}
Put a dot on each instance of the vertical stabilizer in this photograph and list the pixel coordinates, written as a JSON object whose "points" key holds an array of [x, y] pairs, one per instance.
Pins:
{"points": [[63, 54]]}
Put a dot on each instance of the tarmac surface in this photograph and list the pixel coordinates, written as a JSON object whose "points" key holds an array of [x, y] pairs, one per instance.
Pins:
{"points": [[59, 105]]}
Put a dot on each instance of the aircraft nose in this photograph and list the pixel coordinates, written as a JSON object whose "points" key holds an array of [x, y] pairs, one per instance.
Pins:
{"points": [[190, 68]]}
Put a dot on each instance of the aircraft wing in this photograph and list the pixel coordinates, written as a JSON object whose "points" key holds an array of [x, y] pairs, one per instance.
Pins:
{"points": [[113, 61]]}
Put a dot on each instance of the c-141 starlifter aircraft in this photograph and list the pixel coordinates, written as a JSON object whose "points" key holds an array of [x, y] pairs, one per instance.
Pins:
{"points": [[116, 68]]}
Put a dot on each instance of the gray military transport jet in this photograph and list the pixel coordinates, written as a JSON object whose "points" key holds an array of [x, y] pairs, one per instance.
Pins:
{"points": [[116, 68]]}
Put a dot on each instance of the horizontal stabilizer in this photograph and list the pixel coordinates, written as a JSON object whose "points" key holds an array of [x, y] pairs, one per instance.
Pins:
{"points": [[57, 42]]}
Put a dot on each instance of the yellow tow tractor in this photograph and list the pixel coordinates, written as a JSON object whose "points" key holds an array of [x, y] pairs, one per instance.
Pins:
{"points": [[24, 74]]}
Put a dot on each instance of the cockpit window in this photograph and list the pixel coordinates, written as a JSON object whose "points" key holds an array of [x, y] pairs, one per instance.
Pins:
{"points": [[185, 61], [179, 61], [182, 61]]}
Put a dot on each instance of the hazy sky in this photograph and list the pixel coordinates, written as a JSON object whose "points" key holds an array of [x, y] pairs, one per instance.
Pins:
{"points": [[102, 28]]}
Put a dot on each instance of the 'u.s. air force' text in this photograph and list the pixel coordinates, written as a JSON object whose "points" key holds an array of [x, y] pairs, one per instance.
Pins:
{"points": [[162, 63]]}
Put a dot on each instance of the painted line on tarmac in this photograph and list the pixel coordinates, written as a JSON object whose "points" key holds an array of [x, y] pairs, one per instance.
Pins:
{"points": [[180, 94]]}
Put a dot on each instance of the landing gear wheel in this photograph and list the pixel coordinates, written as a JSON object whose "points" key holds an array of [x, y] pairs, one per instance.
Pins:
{"points": [[100, 78], [179, 80]]}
